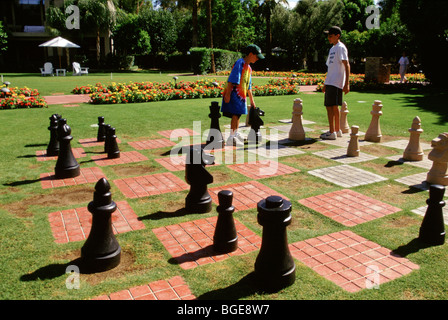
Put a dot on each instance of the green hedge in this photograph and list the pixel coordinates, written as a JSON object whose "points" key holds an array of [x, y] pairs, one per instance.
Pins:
{"points": [[201, 62]]}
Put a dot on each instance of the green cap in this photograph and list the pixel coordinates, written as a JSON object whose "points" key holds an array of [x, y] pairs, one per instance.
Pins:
{"points": [[253, 48]]}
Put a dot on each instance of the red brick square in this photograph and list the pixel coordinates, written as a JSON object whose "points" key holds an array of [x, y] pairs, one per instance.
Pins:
{"points": [[190, 253], [348, 207], [144, 186], [171, 289], [151, 144], [262, 169], [41, 155], [176, 133], [92, 142], [354, 264], [87, 175], [125, 157], [75, 224]]}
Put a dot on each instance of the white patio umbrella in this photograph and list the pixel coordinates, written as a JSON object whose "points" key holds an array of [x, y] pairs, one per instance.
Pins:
{"points": [[60, 42]]}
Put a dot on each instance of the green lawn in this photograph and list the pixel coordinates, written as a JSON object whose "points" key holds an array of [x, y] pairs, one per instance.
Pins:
{"points": [[33, 265]]}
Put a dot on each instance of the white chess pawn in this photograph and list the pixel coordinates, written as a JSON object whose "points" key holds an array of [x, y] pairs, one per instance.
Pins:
{"points": [[343, 123], [373, 134], [439, 156], [353, 145], [297, 132], [414, 151]]}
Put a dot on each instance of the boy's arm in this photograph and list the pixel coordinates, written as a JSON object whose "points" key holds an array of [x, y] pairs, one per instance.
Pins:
{"points": [[346, 88], [251, 98]]}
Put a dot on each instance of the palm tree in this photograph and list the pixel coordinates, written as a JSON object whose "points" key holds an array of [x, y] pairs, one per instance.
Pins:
{"points": [[98, 15], [266, 9]]}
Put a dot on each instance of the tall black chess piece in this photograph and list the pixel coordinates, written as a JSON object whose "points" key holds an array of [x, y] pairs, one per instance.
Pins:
{"points": [[274, 266], [255, 123], [113, 152], [198, 200], [432, 230], [101, 250], [225, 239], [53, 145], [106, 139], [214, 139], [66, 165], [101, 135]]}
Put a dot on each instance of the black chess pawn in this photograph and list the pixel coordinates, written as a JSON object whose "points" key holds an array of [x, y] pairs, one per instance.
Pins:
{"points": [[66, 165], [53, 145], [225, 238], [274, 266], [106, 140], [198, 200], [214, 139], [113, 152], [101, 250], [101, 135], [255, 123], [432, 230]]}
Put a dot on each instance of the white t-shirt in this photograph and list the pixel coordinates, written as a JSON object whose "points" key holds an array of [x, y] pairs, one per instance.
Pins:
{"points": [[336, 70]]}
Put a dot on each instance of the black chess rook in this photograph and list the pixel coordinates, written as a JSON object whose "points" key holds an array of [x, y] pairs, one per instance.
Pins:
{"points": [[432, 230], [198, 199], [225, 238], [274, 266], [101, 251], [66, 165]]}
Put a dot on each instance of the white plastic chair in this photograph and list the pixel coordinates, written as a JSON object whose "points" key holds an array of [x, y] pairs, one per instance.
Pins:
{"points": [[47, 69], [78, 70]]}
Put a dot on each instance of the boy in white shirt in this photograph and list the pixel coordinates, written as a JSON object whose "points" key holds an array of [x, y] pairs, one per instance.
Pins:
{"points": [[336, 82]]}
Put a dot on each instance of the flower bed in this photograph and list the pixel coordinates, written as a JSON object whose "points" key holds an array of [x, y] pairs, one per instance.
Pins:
{"points": [[19, 98], [150, 91]]}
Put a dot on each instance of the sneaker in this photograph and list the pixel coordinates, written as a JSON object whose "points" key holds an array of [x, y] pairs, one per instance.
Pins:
{"points": [[234, 141], [239, 137], [339, 134], [328, 136]]}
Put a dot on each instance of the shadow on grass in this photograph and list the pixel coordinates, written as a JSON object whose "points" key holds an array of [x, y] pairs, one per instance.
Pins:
{"points": [[165, 214], [413, 246], [21, 183], [245, 287]]}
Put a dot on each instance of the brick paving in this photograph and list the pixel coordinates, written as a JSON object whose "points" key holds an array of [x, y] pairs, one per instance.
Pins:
{"points": [[417, 180], [351, 261], [125, 157], [348, 207], [277, 151], [75, 224], [41, 155], [144, 186], [246, 195], [262, 169], [402, 144], [88, 175], [347, 176], [191, 243], [151, 144], [184, 132], [92, 142], [172, 289]]}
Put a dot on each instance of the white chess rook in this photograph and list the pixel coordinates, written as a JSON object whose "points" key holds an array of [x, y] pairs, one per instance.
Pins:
{"points": [[414, 151], [373, 134], [439, 156], [353, 145], [343, 123], [297, 132]]}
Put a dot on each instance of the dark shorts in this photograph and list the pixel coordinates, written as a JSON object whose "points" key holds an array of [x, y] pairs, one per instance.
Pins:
{"points": [[230, 115], [333, 96]]}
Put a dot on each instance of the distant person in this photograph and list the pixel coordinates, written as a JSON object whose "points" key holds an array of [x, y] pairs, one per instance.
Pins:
{"points": [[403, 63], [336, 82], [238, 89]]}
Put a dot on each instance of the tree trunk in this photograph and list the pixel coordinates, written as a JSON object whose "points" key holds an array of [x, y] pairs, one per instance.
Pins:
{"points": [[98, 46], [194, 42], [210, 34]]}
